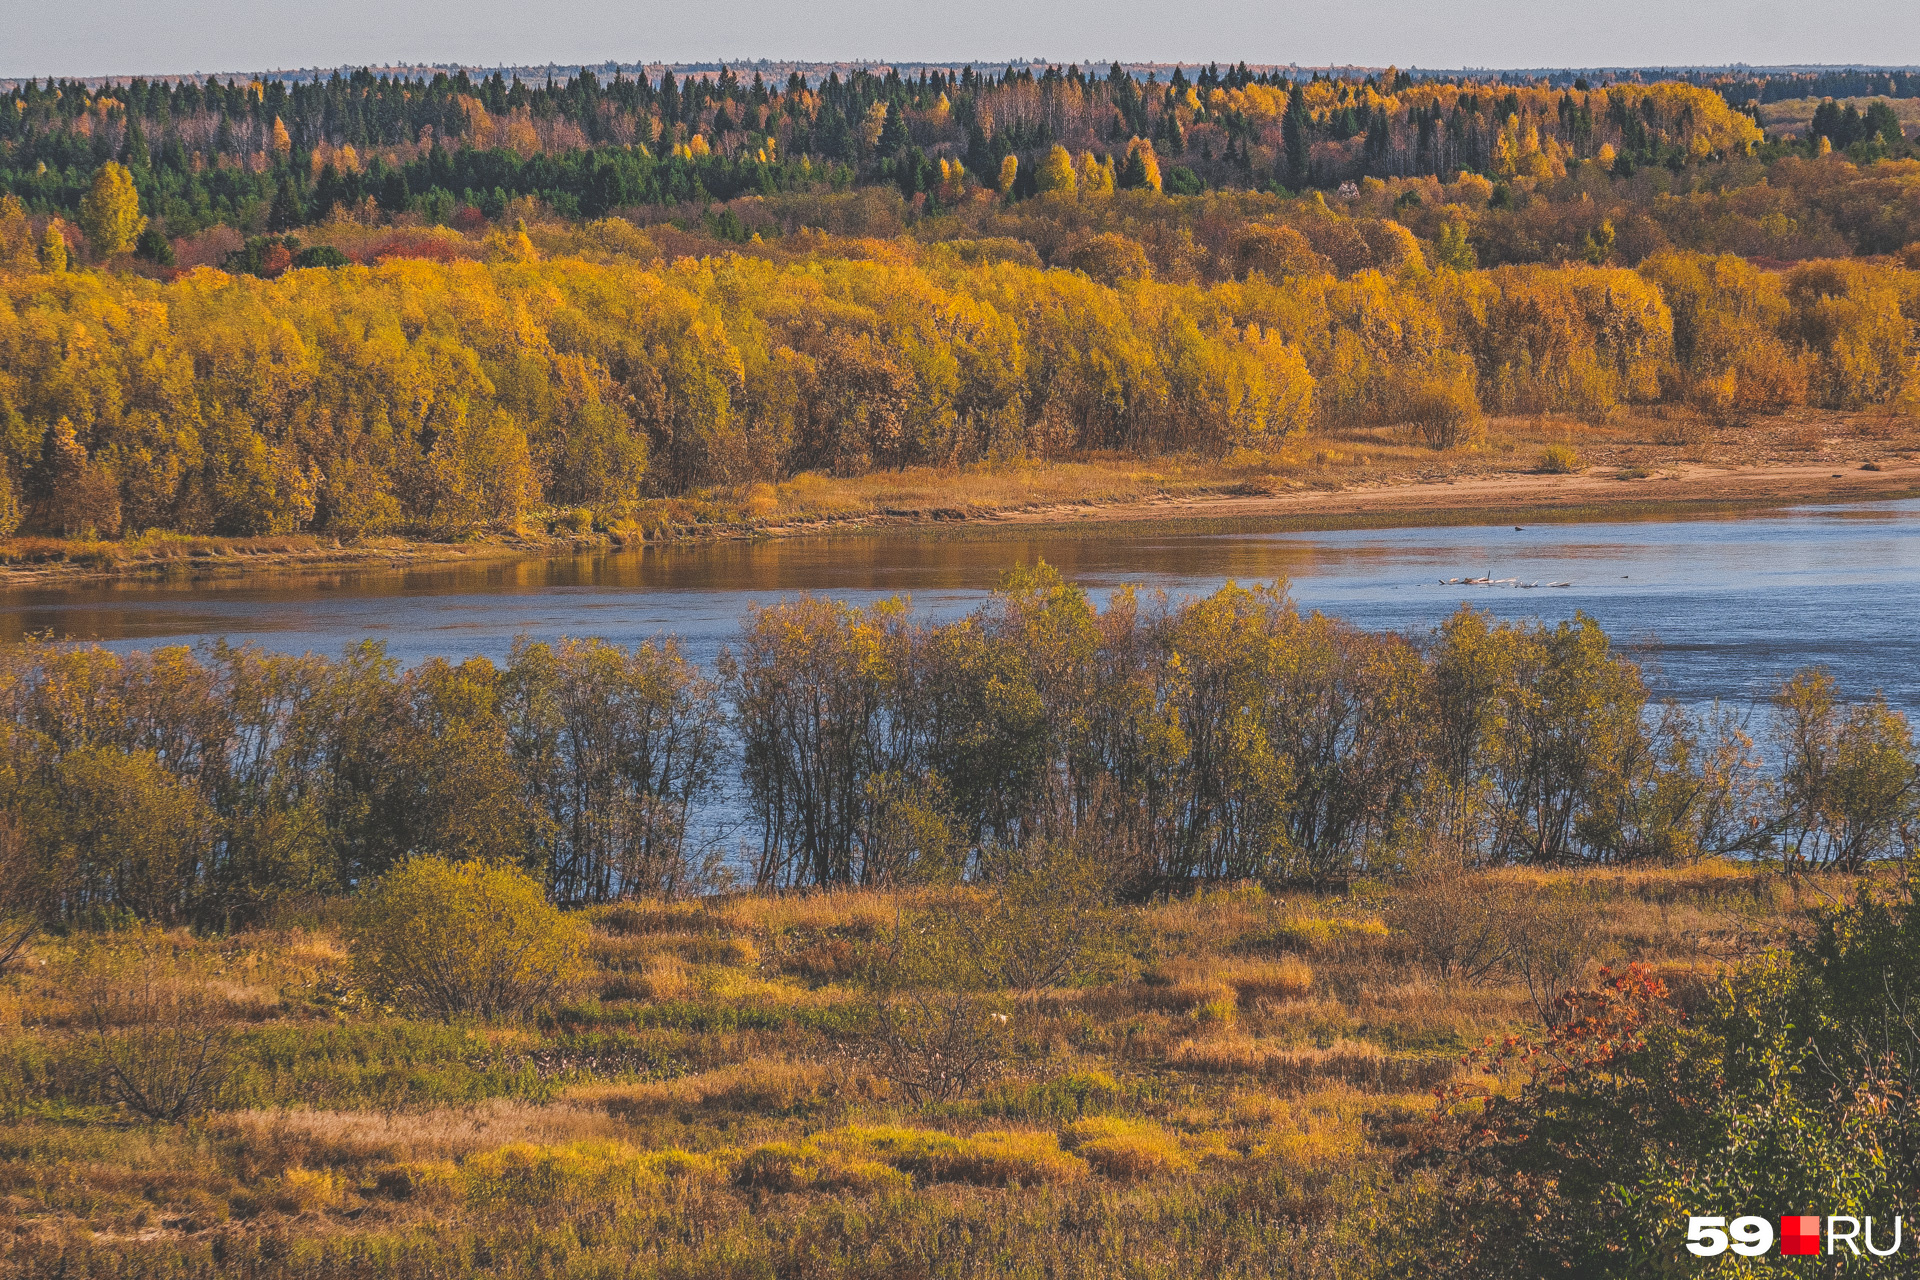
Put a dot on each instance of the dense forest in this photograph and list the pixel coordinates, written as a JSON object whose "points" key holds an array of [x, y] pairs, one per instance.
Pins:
{"points": [[287, 154], [367, 305], [1224, 738], [458, 380]]}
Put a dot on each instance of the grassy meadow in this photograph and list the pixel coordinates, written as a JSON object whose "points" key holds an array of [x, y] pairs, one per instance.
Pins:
{"points": [[1232, 1082]]}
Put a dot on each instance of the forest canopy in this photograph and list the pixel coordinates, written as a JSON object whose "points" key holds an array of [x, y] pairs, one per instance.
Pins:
{"points": [[370, 305]]}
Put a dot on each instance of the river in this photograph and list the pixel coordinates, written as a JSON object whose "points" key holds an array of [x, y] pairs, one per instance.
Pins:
{"points": [[1717, 608]]}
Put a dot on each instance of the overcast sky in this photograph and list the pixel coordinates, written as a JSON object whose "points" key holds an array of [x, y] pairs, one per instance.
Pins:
{"points": [[120, 37]]}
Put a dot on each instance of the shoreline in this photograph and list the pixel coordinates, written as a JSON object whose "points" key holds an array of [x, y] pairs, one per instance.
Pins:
{"points": [[1680, 491], [1676, 491]]}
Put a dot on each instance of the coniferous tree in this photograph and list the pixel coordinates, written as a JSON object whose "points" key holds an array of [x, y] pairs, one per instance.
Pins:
{"points": [[1294, 128], [285, 214], [135, 152]]}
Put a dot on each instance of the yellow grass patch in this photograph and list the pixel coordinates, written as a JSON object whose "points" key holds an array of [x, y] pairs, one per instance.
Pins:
{"points": [[1121, 1148], [533, 1174]]}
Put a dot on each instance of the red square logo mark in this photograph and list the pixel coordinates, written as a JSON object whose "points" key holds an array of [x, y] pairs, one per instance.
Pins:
{"points": [[1800, 1235]]}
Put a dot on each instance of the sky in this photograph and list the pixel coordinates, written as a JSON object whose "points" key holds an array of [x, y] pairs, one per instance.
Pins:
{"points": [[128, 37]]}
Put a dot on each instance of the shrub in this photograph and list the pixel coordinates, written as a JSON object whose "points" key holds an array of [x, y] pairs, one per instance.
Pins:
{"points": [[938, 1045], [447, 938], [1559, 460], [19, 899], [1461, 925], [1555, 936], [1047, 920], [1444, 411], [158, 1044]]}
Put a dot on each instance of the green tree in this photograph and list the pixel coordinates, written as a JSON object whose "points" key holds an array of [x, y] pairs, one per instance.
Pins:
{"points": [[1847, 781], [894, 137], [122, 830], [286, 213], [154, 246], [1142, 169], [1295, 140], [135, 151], [615, 745], [1883, 122], [110, 211]]}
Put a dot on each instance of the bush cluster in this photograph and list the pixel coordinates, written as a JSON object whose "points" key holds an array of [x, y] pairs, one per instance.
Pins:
{"points": [[1150, 744]]}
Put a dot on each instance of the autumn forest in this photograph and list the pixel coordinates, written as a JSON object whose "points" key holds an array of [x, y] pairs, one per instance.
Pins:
{"points": [[372, 305]]}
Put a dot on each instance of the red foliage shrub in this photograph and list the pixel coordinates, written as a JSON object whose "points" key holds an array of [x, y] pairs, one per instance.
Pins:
{"points": [[407, 244]]}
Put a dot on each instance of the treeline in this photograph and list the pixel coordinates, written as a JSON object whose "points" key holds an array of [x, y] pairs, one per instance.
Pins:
{"points": [[1783, 86], [447, 396], [1223, 737], [273, 156]]}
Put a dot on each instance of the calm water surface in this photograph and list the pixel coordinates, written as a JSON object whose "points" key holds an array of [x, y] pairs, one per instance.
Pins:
{"points": [[1718, 608]]}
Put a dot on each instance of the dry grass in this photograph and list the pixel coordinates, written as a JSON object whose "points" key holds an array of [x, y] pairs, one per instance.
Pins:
{"points": [[759, 1085], [1261, 1050], [291, 1138]]}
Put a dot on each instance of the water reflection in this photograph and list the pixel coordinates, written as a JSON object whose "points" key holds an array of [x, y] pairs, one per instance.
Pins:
{"points": [[1719, 607]]}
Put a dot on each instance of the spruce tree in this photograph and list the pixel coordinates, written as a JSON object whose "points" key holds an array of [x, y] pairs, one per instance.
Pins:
{"points": [[1294, 139], [135, 151]]}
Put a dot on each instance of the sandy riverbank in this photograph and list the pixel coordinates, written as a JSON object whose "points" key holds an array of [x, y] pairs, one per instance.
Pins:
{"points": [[1674, 490]]}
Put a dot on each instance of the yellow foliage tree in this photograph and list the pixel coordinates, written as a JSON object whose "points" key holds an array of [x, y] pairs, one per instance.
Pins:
{"points": [[110, 211], [1096, 176], [16, 236], [1056, 172], [1009, 170], [282, 140], [53, 249]]}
